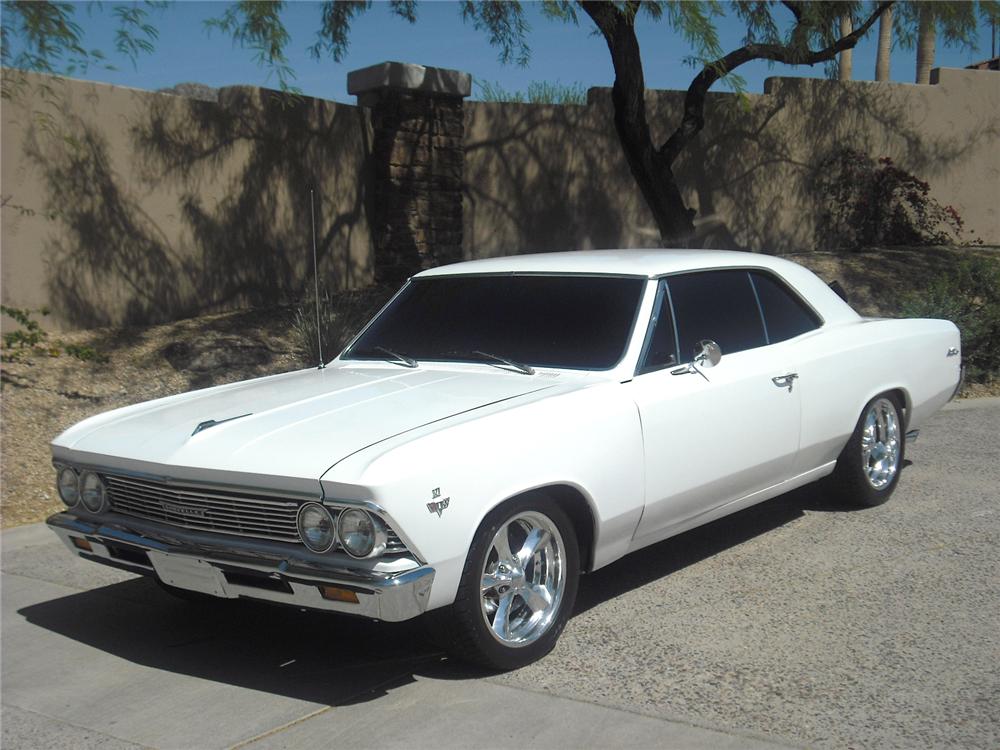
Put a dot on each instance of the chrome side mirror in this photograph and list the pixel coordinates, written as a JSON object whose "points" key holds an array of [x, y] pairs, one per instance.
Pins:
{"points": [[707, 353]]}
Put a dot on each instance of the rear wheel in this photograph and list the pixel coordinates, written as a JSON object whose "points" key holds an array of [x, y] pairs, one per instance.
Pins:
{"points": [[868, 468], [517, 588]]}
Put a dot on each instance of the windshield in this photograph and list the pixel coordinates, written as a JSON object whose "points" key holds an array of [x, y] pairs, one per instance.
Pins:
{"points": [[574, 322]]}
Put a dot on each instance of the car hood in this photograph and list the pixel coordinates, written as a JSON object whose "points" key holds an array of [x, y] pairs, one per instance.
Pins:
{"points": [[293, 425]]}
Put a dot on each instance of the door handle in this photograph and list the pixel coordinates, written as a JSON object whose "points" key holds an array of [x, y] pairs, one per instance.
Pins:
{"points": [[785, 381]]}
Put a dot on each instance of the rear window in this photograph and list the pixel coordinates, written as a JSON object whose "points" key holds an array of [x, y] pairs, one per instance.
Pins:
{"points": [[575, 322], [785, 315]]}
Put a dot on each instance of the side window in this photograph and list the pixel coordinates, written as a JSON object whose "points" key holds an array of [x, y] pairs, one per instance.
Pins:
{"points": [[661, 345], [716, 305], [785, 315]]}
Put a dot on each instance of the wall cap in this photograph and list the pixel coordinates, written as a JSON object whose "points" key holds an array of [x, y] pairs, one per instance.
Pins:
{"points": [[409, 77]]}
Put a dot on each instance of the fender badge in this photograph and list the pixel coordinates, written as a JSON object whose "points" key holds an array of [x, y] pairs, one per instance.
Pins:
{"points": [[439, 506]]}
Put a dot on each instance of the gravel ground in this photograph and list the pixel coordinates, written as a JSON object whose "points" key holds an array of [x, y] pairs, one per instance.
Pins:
{"points": [[876, 628]]}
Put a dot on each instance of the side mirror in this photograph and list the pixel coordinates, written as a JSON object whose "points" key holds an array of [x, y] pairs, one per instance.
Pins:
{"points": [[707, 353]]}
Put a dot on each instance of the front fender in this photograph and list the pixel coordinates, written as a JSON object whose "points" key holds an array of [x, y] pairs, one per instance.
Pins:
{"points": [[589, 439]]}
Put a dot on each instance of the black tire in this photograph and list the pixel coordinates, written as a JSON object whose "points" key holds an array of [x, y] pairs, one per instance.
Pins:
{"points": [[463, 629], [851, 482]]}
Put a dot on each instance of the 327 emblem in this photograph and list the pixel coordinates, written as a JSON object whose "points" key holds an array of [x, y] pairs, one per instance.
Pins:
{"points": [[437, 506]]}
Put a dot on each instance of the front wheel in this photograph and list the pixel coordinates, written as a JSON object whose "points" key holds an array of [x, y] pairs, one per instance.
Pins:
{"points": [[868, 468], [518, 585]]}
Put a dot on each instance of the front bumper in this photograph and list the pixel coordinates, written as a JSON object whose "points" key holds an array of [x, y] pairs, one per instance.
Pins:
{"points": [[240, 568]]}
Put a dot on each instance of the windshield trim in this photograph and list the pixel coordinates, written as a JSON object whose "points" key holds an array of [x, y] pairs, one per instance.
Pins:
{"points": [[345, 354]]}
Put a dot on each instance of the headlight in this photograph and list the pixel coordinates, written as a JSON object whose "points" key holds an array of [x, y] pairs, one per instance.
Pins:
{"points": [[68, 482], [92, 493], [316, 527], [360, 534]]}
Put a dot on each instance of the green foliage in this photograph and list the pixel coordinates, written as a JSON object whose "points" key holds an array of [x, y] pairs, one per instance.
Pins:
{"points": [[42, 36], [539, 92], [84, 353], [866, 203], [28, 333], [969, 296], [956, 21], [341, 317]]}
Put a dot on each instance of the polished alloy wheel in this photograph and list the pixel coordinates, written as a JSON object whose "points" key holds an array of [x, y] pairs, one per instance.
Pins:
{"points": [[880, 443], [523, 579]]}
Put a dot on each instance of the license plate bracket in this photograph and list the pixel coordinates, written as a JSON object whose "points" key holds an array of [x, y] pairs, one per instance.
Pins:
{"points": [[190, 573]]}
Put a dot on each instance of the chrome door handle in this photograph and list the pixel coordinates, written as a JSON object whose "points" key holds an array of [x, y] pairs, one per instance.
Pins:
{"points": [[785, 381]]}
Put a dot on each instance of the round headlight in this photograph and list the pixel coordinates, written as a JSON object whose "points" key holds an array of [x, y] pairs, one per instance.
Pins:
{"points": [[68, 482], [92, 493], [316, 527], [360, 534]]}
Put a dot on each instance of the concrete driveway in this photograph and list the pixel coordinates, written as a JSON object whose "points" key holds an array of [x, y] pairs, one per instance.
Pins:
{"points": [[795, 622]]}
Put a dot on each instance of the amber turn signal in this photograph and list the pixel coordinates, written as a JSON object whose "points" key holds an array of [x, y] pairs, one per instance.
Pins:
{"points": [[81, 543], [336, 594]]}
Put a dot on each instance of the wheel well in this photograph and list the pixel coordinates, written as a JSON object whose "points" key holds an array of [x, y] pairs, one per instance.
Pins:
{"points": [[572, 502], [902, 398]]}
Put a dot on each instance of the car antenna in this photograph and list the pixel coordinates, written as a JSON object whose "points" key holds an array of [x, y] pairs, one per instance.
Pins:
{"points": [[319, 333]]}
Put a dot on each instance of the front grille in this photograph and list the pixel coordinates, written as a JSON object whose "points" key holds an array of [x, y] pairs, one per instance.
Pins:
{"points": [[205, 510], [239, 513]]}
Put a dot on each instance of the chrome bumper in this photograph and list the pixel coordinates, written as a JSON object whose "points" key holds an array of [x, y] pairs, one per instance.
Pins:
{"points": [[241, 568]]}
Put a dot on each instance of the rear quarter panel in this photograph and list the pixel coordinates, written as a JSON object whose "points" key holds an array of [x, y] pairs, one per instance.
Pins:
{"points": [[842, 367]]}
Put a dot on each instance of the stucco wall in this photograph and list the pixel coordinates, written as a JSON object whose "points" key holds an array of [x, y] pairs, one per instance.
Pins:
{"points": [[125, 206], [129, 207], [552, 178]]}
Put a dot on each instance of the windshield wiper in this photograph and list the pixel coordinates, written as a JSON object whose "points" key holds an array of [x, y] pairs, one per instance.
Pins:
{"points": [[397, 358], [525, 369]]}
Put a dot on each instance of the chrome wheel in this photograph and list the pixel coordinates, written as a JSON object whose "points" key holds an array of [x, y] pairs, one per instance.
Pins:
{"points": [[523, 579], [880, 446]]}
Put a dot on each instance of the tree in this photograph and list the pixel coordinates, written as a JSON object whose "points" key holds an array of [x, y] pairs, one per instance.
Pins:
{"points": [[918, 24], [926, 36], [793, 32], [884, 46], [846, 66]]}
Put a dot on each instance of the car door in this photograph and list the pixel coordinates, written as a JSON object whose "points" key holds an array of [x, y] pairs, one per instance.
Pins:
{"points": [[712, 435]]}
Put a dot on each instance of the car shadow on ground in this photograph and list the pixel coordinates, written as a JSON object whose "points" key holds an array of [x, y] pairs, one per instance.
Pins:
{"points": [[335, 660]]}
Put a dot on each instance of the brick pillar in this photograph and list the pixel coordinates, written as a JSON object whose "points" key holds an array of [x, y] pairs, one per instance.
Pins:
{"points": [[418, 155]]}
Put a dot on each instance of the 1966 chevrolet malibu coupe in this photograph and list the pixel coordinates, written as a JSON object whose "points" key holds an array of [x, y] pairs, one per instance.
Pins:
{"points": [[501, 427]]}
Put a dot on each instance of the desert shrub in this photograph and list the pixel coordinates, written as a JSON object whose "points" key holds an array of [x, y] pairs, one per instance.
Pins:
{"points": [[968, 295], [867, 202], [341, 316]]}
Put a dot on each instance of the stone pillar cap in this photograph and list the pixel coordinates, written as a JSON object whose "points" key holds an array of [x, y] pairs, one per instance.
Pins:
{"points": [[409, 77]]}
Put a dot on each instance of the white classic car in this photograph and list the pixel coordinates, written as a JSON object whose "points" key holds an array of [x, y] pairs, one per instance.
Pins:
{"points": [[501, 427]]}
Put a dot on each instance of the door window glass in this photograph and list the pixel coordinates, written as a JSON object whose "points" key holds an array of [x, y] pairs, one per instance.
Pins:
{"points": [[716, 305]]}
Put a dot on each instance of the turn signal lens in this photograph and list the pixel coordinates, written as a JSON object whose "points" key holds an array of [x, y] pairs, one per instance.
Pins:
{"points": [[68, 482], [336, 594]]}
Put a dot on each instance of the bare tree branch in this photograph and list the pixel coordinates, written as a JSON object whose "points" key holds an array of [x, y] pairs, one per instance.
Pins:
{"points": [[694, 101]]}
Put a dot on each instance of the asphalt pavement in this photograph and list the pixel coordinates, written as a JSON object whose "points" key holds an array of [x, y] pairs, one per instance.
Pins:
{"points": [[794, 623]]}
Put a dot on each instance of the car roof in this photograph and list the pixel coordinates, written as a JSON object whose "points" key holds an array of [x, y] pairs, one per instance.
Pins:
{"points": [[647, 263]]}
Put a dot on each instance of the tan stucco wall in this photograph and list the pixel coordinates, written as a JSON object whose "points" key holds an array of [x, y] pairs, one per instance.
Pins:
{"points": [[124, 206], [553, 178], [129, 207]]}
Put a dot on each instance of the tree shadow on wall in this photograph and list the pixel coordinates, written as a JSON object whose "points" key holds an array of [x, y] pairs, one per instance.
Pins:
{"points": [[757, 162], [541, 177], [202, 207], [554, 178]]}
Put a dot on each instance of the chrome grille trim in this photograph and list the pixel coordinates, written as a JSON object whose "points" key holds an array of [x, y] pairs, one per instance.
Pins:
{"points": [[205, 510], [228, 511]]}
